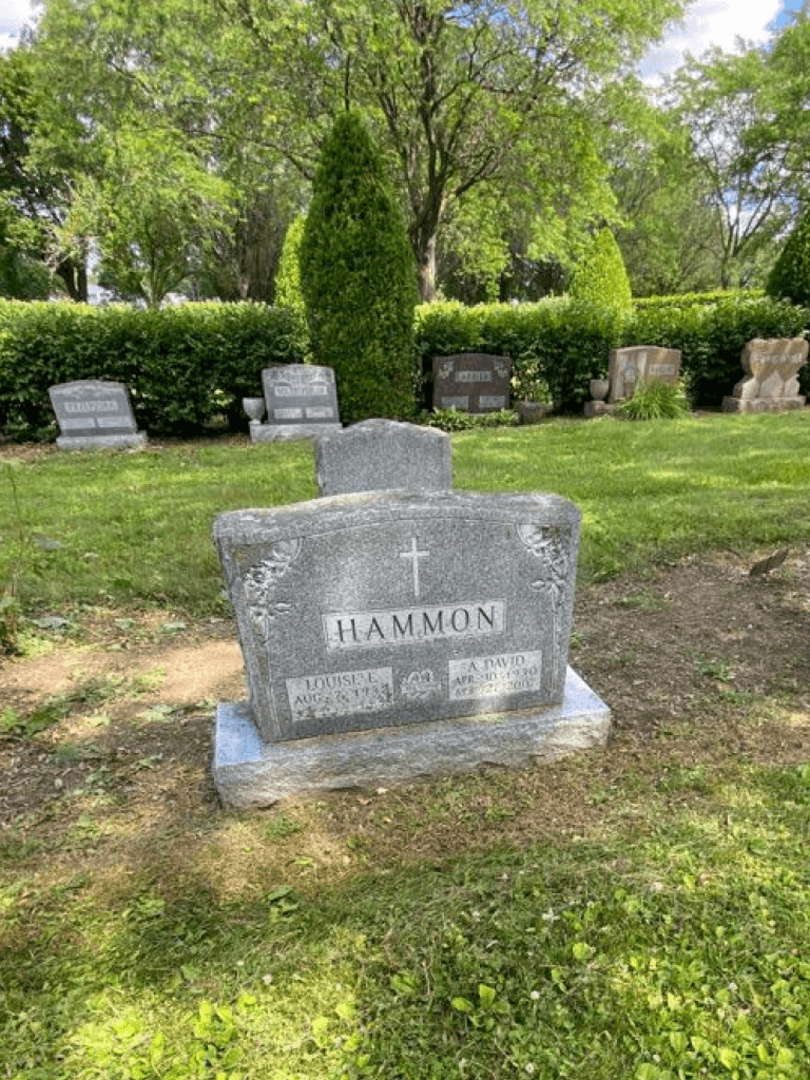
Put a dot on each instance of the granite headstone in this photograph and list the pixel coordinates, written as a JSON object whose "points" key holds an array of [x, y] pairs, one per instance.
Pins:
{"points": [[301, 403], [471, 382], [770, 384], [641, 363], [377, 455], [390, 634], [94, 414]]}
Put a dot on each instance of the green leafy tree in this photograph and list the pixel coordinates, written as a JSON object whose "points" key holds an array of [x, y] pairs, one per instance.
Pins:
{"points": [[358, 278], [600, 277], [723, 99], [507, 100], [151, 209], [790, 277], [35, 190], [458, 97]]}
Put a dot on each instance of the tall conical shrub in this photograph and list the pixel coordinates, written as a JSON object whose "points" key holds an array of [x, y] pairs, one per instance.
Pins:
{"points": [[288, 275], [359, 279], [600, 276], [790, 277]]}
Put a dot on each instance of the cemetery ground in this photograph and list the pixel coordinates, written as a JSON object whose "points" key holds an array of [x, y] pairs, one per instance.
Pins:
{"points": [[639, 911]]}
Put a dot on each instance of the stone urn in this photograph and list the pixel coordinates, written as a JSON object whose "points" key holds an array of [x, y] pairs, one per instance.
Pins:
{"points": [[599, 389], [254, 407]]}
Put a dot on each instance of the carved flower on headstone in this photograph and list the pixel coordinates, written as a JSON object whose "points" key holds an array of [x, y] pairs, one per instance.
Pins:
{"points": [[260, 583]]}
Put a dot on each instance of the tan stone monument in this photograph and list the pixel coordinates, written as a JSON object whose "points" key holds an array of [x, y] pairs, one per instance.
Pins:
{"points": [[770, 384]]}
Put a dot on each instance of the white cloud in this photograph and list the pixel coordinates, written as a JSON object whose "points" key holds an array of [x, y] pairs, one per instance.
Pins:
{"points": [[13, 16], [707, 23]]}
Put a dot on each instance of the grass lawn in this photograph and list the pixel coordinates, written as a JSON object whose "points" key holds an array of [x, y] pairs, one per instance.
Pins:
{"points": [[639, 913]]}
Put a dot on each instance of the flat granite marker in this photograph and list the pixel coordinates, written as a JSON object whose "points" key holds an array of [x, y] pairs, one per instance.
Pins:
{"points": [[770, 384], [391, 634], [471, 382], [94, 415], [377, 455], [301, 403]]}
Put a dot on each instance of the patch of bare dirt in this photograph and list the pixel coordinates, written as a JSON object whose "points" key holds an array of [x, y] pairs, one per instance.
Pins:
{"points": [[697, 662]]}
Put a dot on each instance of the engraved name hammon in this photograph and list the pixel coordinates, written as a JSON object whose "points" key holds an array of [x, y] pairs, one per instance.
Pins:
{"points": [[369, 629]]}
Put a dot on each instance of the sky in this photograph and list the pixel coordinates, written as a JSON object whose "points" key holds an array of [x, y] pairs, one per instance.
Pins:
{"points": [[707, 22]]}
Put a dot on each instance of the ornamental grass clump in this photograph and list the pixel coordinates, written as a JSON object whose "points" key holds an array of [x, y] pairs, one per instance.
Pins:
{"points": [[655, 400]]}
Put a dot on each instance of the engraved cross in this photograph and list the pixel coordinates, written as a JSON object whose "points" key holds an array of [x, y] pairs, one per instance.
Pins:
{"points": [[415, 555]]}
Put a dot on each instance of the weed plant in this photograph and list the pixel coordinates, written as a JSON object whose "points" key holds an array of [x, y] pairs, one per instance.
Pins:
{"points": [[655, 400], [458, 420]]}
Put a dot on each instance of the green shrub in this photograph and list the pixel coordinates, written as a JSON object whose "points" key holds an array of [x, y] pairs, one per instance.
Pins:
{"points": [[359, 278], [456, 420], [711, 338], [288, 292], [557, 346], [684, 300], [654, 400], [182, 365], [600, 276], [790, 277]]}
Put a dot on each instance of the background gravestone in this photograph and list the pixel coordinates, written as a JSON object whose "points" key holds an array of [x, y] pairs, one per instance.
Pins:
{"points": [[301, 403], [384, 454], [641, 363], [471, 382], [770, 384], [370, 622], [94, 414]]}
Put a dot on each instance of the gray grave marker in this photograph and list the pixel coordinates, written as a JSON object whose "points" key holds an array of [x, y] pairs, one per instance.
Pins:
{"points": [[301, 403], [369, 622], [383, 454], [471, 382], [94, 414], [639, 363]]}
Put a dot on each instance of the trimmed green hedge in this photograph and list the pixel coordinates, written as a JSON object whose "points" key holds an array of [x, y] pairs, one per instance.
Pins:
{"points": [[712, 338], [559, 345], [186, 365], [182, 365]]}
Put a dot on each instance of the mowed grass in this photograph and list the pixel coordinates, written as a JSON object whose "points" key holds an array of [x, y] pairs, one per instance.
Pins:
{"points": [[664, 939], [667, 942], [123, 528], [656, 491]]}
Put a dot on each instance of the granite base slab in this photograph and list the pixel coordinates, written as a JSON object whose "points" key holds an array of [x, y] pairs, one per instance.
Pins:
{"points": [[598, 408], [101, 442], [250, 774], [262, 433], [756, 405]]}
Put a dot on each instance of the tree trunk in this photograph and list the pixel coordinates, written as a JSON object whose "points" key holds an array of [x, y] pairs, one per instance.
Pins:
{"points": [[427, 271], [74, 275]]}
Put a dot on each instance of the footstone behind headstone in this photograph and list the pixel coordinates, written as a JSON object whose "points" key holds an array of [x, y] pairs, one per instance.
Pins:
{"points": [[471, 382], [770, 383], [388, 635], [301, 403], [377, 455], [93, 415], [641, 363]]}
